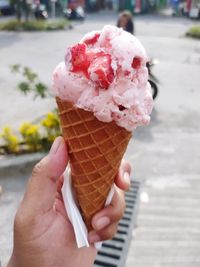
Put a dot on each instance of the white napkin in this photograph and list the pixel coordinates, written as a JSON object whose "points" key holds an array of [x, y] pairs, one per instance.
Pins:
{"points": [[80, 230]]}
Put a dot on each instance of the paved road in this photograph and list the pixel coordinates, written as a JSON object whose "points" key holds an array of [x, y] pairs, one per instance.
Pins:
{"points": [[165, 154]]}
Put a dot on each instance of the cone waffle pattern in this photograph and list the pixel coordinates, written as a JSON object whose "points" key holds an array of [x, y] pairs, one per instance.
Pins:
{"points": [[95, 151]]}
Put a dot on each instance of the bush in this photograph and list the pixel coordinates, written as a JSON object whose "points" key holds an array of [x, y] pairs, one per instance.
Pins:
{"points": [[33, 137], [34, 25], [11, 142], [194, 32], [31, 82]]}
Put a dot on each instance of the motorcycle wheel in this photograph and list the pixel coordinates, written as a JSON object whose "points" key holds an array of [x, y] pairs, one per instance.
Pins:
{"points": [[154, 89]]}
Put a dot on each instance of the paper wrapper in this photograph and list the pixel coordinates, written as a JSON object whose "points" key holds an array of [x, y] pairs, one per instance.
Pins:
{"points": [[69, 198]]}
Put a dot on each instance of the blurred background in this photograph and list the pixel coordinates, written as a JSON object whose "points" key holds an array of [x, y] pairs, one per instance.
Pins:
{"points": [[165, 155]]}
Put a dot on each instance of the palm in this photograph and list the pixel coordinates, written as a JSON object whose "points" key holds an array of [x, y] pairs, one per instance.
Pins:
{"points": [[54, 234]]}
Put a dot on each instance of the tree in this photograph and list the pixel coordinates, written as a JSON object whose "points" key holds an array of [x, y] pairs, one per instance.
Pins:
{"points": [[22, 5], [18, 5]]}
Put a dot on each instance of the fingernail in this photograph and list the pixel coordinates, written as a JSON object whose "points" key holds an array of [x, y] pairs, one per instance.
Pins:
{"points": [[94, 238], [55, 146], [102, 222], [127, 178]]}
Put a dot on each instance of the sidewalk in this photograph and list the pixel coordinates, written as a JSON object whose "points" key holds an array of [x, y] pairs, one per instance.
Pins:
{"points": [[168, 225]]}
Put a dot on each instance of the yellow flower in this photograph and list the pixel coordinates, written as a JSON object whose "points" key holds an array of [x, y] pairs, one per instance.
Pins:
{"points": [[31, 135], [28, 129], [13, 143], [24, 127], [50, 121], [32, 130], [6, 131], [11, 140]]}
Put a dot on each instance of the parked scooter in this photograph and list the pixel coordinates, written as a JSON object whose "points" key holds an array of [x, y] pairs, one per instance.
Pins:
{"points": [[77, 13], [40, 11], [152, 79]]}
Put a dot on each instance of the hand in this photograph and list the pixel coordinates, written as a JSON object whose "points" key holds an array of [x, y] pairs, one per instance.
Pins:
{"points": [[43, 235], [106, 221]]}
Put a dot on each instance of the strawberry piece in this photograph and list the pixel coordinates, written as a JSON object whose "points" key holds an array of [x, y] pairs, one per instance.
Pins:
{"points": [[91, 55], [96, 66], [136, 63], [100, 70], [92, 40], [79, 59]]}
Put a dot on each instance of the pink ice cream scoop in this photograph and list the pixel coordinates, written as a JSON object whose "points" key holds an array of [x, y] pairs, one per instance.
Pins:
{"points": [[105, 73]]}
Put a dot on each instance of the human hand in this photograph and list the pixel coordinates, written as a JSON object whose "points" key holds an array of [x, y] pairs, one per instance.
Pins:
{"points": [[43, 234], [106, 221]]}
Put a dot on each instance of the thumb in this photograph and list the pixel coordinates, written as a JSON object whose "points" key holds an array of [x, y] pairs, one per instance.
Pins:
{"points": [[42, 187]]}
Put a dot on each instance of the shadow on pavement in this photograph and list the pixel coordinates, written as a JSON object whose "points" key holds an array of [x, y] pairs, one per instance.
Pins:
{"points": [[145, 133]]}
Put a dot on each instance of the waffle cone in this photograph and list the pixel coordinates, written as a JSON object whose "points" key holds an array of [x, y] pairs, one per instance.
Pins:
{"points": [[95, 151]]}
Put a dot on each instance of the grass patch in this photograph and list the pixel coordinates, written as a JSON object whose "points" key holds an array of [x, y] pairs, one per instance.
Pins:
{"points": [[34, 25], [194, 32]]}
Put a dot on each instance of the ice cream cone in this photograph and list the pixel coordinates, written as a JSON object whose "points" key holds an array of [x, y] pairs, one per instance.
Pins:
{"points": [[95, 150]]}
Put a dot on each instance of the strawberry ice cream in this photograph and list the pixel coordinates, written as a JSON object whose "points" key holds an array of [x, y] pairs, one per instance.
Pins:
{"points": [[105, 73]]}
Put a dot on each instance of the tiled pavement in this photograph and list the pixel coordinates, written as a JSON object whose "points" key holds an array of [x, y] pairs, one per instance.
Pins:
{"points": [[168, 224]]}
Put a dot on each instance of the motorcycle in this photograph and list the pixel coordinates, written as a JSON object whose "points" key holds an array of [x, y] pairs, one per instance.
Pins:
{"points": [[77, 13], [152, 78], [40, 11]]}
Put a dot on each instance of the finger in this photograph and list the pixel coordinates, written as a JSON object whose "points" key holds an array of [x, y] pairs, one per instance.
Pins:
{"points": [[105, 234], [59, 207], [111, 213], [59, 196], [60, 183], [122, 179], [41, 189]]}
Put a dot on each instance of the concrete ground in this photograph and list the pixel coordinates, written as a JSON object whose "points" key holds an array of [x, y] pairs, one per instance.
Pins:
{"points": [[165, 154]]}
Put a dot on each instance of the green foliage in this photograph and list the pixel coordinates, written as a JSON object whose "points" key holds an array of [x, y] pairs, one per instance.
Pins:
{"points": [[24, 87], [31, 82], [10, 140], [194, 32], [13, 2], [12, 25], [40, 89], [33, 25], [15, 68], [31, 76]]}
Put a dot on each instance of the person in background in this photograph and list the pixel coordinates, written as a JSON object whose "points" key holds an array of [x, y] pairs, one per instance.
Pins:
{"points": [[125, 21]]}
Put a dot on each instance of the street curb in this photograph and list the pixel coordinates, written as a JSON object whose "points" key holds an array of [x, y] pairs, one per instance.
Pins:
{"points": [[19, 163]]}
